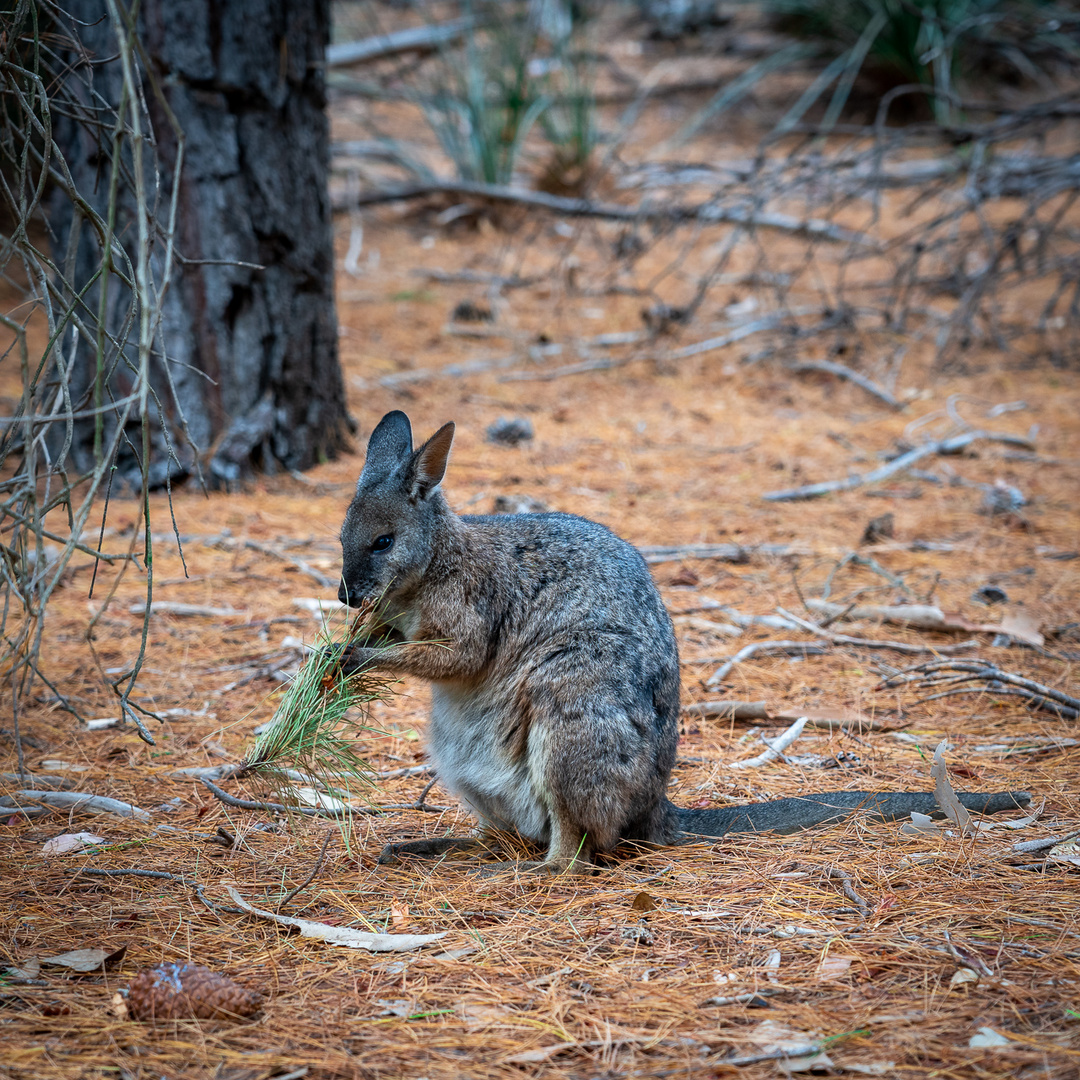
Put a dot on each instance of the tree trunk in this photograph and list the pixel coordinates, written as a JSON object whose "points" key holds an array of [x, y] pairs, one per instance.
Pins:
{"points": [[247, 323]]}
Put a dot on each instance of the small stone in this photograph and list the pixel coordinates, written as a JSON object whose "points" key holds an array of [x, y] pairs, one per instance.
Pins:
{"points": [[880, 528], [990, 594], [510, 432], [470, 311]]}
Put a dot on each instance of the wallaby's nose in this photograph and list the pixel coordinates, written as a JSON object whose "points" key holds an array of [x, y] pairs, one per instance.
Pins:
{"points": [[343, 593]]}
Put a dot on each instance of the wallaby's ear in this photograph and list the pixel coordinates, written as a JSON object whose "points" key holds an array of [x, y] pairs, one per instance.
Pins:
{"points": [[429, 464], [389, 445]]}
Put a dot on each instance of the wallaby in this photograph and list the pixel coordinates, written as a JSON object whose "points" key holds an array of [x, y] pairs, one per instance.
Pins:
{"points": [[553, 666]]}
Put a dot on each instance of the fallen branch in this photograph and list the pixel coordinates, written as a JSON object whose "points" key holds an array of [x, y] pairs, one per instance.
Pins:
{"points": [[160, 875], [834, 873], [604, 364], [707, 212], [757, 711], [318, 811], [474, 277], [951, 445], [786, 648], [926, 675], [733, 553], [871, 643], [304, 567], [73, 801], [728, 710], [412, 39], [314, 870], [172, 607], [842, 372], [340, 935], [774, 748]]}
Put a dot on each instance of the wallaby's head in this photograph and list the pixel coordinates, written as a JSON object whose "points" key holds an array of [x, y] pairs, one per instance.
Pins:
{"points": [[388, 537]]}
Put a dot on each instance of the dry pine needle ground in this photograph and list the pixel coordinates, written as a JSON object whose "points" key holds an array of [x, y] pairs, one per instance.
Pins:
{"points": [[601, 976]]}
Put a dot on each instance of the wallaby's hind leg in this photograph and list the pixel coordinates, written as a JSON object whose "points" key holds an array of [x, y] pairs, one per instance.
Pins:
{"points": [[434, 848], [598, 752]]}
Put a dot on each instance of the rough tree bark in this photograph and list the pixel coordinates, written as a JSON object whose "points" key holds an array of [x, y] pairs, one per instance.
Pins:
{"points": [[252, 349]]}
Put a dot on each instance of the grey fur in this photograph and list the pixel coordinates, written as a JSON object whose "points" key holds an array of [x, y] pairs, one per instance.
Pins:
{"points": [[552, 661]]}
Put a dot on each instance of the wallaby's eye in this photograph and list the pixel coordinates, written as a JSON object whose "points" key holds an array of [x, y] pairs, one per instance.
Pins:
{"points": [[383, 543]]}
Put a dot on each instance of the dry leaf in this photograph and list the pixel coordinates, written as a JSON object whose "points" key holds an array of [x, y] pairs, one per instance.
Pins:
{"points": [[341, 935], [773, 1037], [309, 796], [988, 1037], [1068, 851], [399, 915], [919, 824], [1021, 626], [29, 969], [480, 1014], [772, 965], [86, 959], [963, 975], [541, 1053], [946, 796], [454, 954], [643, 902], [833, 967], [66, 843]]}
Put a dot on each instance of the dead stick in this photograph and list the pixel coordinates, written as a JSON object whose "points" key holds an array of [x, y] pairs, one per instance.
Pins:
{"points": [[788, 648], [829, 367], [314, 870], [870, 643], [161, 874], [708, 211], [316, 811], [942, 446]]}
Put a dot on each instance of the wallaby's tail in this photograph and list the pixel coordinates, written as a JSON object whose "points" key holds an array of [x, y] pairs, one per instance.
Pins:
{"points": [[805, 811]]}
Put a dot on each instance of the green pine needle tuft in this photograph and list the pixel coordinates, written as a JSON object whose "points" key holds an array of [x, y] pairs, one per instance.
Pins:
{"points": [[315, 728]]}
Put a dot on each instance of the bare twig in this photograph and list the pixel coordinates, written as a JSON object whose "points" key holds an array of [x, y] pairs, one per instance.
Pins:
{"points": [[871, 643], [829, 367], [316, 811], [774, 747], [785, 648], [709, 211], [314, 870], [412, 39], [943, 446]]}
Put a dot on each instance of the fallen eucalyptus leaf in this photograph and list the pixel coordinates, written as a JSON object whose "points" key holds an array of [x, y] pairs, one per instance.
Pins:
{"points": [[919, 825], [66, 843], [86, 959], [963, 975], [946, 796], [988, 1037]]}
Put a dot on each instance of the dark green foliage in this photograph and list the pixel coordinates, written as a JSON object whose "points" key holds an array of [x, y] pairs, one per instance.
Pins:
{"points": [[937, 42]]}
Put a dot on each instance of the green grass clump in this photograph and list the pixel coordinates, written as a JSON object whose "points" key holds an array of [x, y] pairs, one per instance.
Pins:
{"points": [[935, 43]]}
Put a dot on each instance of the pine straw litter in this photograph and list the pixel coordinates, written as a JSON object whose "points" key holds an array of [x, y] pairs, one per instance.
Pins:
{"points": [[881, 952]]}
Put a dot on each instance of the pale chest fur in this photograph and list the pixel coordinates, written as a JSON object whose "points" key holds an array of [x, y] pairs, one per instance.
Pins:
{"points": [[500, 782]]}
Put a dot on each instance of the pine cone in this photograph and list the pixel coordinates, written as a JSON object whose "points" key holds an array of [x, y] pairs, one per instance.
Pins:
{"points": [[186, 991]]}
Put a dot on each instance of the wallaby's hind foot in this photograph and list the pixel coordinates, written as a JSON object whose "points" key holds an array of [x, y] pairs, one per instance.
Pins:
{"points": [[435, 848], [537, 868]]}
